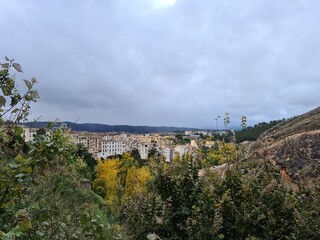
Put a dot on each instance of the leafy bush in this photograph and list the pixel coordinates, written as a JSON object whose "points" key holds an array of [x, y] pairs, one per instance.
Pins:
{"points": [[42, 195]]}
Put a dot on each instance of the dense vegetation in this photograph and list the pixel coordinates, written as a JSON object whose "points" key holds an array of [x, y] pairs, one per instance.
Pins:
{"points": [[45, 189], [42, 189], [252, 133]]}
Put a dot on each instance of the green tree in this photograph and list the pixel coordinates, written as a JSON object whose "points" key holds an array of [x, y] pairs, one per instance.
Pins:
{"points": [[91, 162]]}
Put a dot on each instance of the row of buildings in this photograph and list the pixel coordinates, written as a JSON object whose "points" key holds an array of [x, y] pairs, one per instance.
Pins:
{"points": [[104, 145]]}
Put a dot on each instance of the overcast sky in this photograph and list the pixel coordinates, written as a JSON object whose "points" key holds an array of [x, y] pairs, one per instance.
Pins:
{"points": [[166, 62]]}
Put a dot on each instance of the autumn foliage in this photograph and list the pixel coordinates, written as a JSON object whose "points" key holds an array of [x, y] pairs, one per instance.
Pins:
{"points": [[119, 179]]}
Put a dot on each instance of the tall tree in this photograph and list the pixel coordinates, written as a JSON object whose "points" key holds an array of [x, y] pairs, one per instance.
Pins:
{"points": [[226, 120], [243, 122]]}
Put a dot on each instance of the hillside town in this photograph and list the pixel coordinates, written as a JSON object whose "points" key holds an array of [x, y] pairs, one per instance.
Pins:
{"points": [[104, 145]]}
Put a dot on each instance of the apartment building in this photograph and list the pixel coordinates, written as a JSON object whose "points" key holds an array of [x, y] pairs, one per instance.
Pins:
{"points": [[91, 141], [143, 149], [113, 147], [167, 152], [29, 134], [182, 150], [188, 133]]}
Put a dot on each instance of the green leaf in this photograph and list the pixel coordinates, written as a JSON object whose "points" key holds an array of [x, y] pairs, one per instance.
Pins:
{"points": [[5, 65], [14, 101], [20, 175], [19, 158], [39, 233], [15, 232], [36, 206], [17, 67], [34, 94], [28, 83], [2, 101], [220, 236], [25, 225], [21, 212], [34, 80], [15, 110], [13, 165]]}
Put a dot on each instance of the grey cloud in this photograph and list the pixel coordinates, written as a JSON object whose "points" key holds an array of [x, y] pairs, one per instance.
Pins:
{"points": [[130, 62]]}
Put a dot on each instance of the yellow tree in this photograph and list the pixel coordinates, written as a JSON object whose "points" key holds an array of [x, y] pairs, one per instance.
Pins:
{"points": [[136, 181], [176, 158], [228, 152], [116, 179], [107, 172]]}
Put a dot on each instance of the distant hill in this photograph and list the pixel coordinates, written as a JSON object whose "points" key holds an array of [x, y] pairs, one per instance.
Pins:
{"points": [[293, 146], [94, 127], [253, 133]]}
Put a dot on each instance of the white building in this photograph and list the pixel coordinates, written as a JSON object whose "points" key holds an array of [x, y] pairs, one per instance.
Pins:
{"points": [[188, 133], [167, 154], [113, 147], [143, 149]]}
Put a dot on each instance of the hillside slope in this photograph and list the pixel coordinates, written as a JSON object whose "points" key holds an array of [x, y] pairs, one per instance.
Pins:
{"points": [[293, 146]]}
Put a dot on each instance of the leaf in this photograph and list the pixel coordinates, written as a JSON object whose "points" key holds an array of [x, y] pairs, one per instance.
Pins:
{"points": [[19, 158], [18, 130], [39, 233], [28, 83], [17, 67], [34, 95], [153, 236], [21, 213], [220, 236], [2, 101], [14, 101], [36, 206], [25, 225], [13, 165], [34, 80], [15, 110], [14, 232], [6, 58], [5, 65], [20, 175]]}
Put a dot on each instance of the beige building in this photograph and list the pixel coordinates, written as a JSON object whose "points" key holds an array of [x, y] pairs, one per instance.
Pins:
{"points": [[29, 134], [91, 141], [182, 150], [194, 143]]}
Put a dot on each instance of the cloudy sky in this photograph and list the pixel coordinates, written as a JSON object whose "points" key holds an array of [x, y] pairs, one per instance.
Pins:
{"points": [[166, 62]]}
